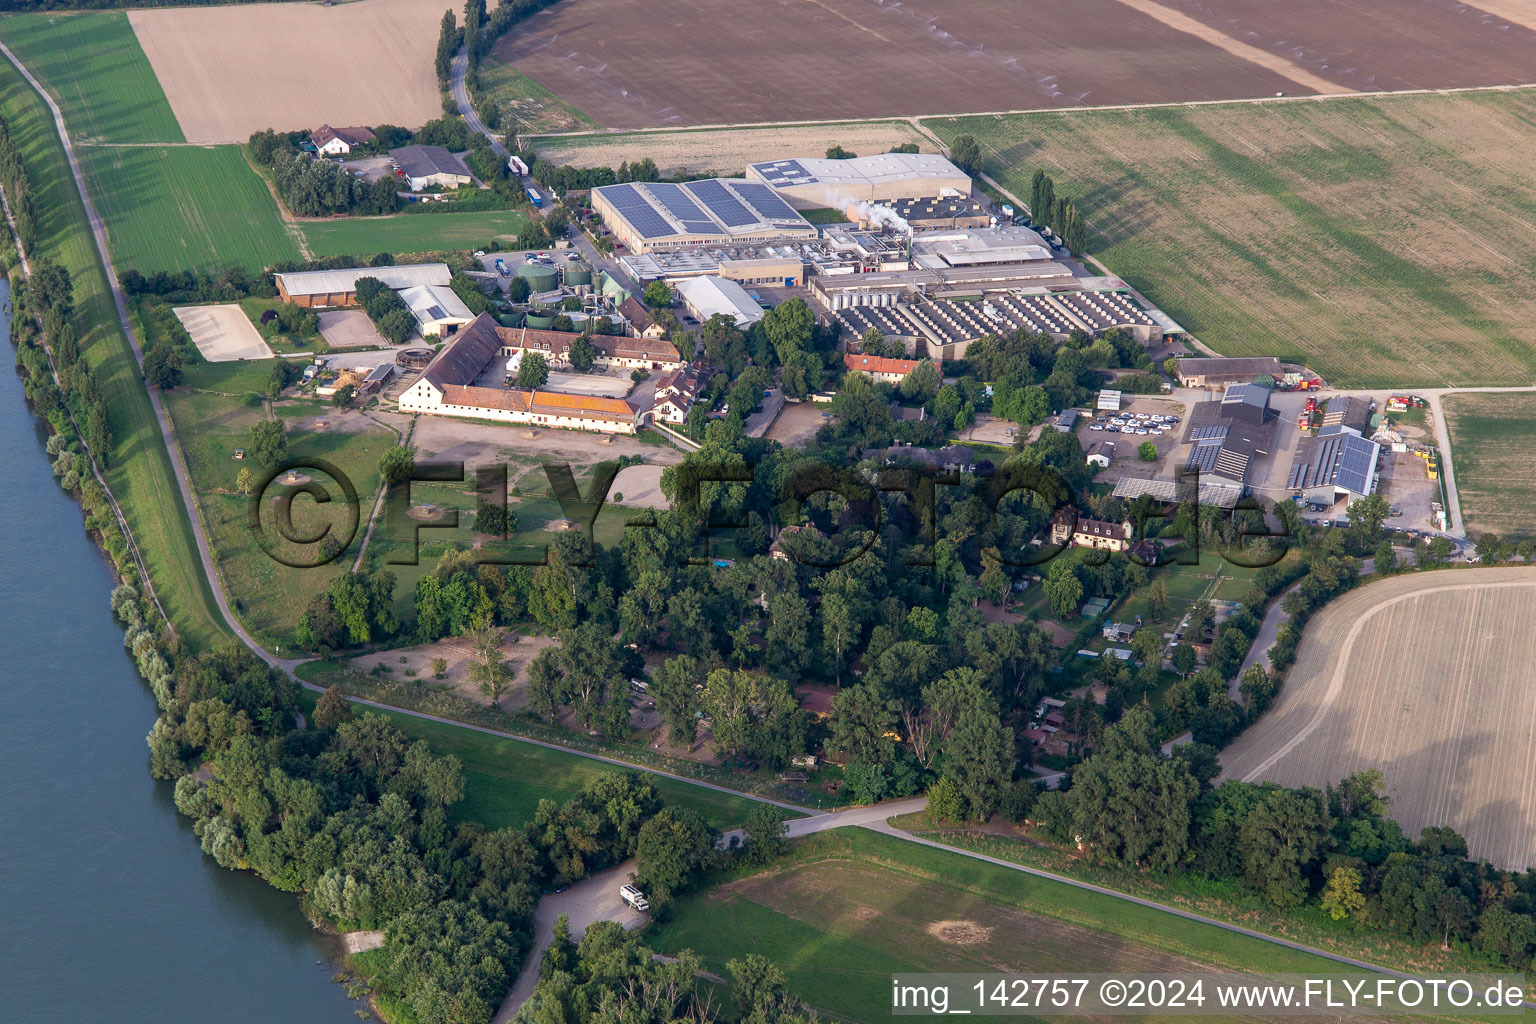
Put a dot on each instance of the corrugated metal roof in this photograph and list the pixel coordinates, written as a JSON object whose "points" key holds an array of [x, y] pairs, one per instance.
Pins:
{"points": [[321, 282]]}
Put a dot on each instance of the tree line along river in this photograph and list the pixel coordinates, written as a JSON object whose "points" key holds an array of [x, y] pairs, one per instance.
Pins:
{"points": [[108, 908]]}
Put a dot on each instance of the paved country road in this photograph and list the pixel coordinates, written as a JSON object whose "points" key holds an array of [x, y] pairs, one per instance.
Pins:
{"points": [[815, 823]]}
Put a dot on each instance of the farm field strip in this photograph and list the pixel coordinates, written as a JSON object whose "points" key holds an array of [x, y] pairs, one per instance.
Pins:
{"points": [[409, 233], [139, 473], [1425, 679], [1493, 452], [1269, 229], [178, 208], [944, 58], [229, 71], [97, 72]]}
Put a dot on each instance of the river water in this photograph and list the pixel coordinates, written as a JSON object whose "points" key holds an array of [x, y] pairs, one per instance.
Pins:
{"points": [[108, 908]]}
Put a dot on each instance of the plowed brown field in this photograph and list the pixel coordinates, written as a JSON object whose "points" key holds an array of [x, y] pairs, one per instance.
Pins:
{"points": [[1429, 679], [634, 63]]}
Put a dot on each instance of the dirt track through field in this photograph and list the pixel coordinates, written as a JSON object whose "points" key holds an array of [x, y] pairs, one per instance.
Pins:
{"points": [[1428, 679], [231, 71]]}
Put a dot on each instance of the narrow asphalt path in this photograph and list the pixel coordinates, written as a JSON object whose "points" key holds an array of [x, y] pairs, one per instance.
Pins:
{"points": [[460, 92]]}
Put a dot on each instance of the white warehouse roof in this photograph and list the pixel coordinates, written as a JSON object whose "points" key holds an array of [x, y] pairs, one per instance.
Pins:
{"points": [[863, 170], [433, 304], [323, 282], [706, 296]]}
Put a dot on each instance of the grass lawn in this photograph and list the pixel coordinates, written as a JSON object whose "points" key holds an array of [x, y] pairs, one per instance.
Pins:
{"points": [[527, 104], [506, 778], [212, 422], [185, 208], [848, 908], [1493, 453], [1380, 240], [410, 233], [93, 65], [140, 468], [285, 343], [1227, 900]]}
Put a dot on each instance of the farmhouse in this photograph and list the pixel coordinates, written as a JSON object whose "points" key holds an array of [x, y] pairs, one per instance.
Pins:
{"points": [[1067, 527], [889, 371], [330, 141], [426, 166], [1348, 411], [437, 308], [714, 212], [319, 288], [704, 297], [613, 352], [676, 392], [638, 319], [447, 388], [1337, 463], [1100, 453], [806, 182], [1217, 371]]}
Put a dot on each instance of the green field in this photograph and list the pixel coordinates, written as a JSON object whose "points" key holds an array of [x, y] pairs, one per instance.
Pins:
{"points": [[1493, 454], [213, 412], [185, 208], [526, 105], [410, 233], [1382, 241], [140, 469], [850, 907], [98, 74], [506, 778]]}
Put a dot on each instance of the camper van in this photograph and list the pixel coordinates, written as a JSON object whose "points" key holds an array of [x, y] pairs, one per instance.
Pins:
{"points": [[634, 897]]}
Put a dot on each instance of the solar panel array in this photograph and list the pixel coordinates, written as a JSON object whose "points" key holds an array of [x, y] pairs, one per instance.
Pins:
{"points": [[637, 210], [1211, 433], [765, 201], [785, 172], [681, 205], [1356, 464], [1203, 456], [718, 199]]}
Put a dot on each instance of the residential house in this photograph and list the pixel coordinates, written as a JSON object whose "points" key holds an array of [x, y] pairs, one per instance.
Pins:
{"points": [[330, 141], [889, 371], [1067, 527]]}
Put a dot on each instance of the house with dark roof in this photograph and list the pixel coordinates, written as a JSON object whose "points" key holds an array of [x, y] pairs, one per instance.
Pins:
{"points": [[426, 166], [952, 459], [330, 141], [1216, 371], [639, 320], [676, 392], [1067, 527]]}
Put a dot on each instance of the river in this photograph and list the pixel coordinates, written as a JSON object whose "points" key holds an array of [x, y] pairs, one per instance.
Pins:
{"points": [[108, 908]]}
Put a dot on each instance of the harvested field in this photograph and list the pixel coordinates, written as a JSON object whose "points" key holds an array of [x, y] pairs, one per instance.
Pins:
{"points": [[863, 58], [726, 150], [1493, 452], [1370, 45], [1427, 679], [231, 71], [223, 334], [1383, 241]]}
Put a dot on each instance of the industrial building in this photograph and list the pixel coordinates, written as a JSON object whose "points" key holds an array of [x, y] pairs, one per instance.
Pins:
{"points": [[426, 166], [945, 329], [780, 264], [447, 387], [316, 289], [940, 213], [716, 211], [705, 297], [1228, 436], [806, 182], [1348, 411], [1337, 463], [1219, 371]]}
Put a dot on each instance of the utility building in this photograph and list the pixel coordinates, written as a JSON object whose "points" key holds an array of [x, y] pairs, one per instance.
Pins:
{"points": [[806, 182]]}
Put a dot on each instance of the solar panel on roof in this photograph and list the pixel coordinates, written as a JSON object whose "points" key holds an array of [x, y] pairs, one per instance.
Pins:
{"points": [[1212, 433], [677, 202], [762, 199], [1203, 457], [637, 210], [721, 203]]}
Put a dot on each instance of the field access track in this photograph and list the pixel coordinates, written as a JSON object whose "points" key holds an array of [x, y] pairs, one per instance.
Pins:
{"points": [[1426, 678]]}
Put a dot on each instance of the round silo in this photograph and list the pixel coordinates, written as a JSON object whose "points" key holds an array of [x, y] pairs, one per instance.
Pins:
{"points": [[540, 278], [578, 275]]}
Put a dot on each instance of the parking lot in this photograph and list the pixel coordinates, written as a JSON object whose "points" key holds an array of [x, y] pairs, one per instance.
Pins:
{"points": [[512, 260]]}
